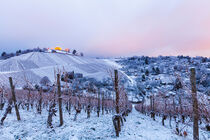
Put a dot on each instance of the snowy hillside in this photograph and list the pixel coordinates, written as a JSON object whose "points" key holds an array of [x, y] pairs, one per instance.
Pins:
{"points": [[33, 66]]}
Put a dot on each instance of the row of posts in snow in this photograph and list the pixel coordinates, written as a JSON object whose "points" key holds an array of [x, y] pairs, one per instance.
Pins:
{"points": [[120, 106], [191, 109], [58, 101]]}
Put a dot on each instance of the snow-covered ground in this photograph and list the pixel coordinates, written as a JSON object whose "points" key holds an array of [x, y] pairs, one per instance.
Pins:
{"points": [[137, 127]]}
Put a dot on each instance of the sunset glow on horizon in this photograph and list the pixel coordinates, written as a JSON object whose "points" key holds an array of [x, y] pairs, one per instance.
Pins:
{"points": [[108, 27]]}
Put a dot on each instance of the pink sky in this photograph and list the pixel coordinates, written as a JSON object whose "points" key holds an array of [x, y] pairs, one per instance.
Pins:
{"points": [[108, 27]]}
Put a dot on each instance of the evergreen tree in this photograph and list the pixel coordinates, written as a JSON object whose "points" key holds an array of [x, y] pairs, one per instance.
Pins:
{"points": [[143, 78], [74, 52], [3, 54], [146, 60], [147, 73]]}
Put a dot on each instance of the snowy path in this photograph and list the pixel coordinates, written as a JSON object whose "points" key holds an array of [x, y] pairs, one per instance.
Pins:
{"points": [[141, 127]]}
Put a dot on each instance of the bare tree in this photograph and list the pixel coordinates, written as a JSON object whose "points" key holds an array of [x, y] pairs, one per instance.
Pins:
{"points": [[52, 112], [77, 108], [39, 109], [2, 98], [88, 106], [8, 110], [152, 106], [28, 87], [102, 103]]}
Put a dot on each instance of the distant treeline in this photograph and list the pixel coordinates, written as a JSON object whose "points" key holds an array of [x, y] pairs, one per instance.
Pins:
{"points": [[6, 55]]}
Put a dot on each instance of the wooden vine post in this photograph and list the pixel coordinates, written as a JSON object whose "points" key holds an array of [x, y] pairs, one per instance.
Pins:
{"points": [[98, 108], [59, 99], [14, 98], [116, 82], [195, 105]]}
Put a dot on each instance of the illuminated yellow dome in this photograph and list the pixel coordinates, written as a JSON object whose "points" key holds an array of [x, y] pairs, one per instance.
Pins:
{"points": [[58, 48]]}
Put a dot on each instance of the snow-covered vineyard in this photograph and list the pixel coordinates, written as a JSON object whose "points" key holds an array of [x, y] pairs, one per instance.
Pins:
{"points": [[137, 127], [46, 95]]}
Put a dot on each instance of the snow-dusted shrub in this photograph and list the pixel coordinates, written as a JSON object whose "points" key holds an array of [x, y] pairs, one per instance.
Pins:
{"points": [[45, 81]]}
